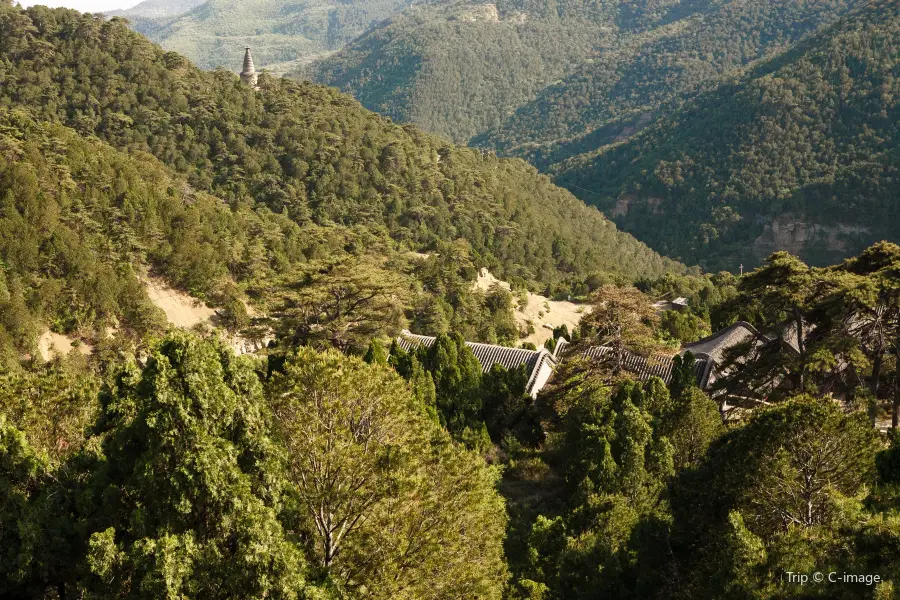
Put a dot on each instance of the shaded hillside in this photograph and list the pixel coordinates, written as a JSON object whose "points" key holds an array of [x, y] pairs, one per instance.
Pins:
{"points": [[352, 180], [283, 33], [799, 154], [458, 69], [616, 93], [533, 79]]}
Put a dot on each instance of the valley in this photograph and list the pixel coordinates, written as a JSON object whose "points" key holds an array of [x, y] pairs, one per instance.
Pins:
{"points": [[492, 75], [450, 300]]}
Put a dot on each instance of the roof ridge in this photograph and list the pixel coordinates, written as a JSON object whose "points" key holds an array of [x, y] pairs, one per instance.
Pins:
{"points": [[723, 331]]}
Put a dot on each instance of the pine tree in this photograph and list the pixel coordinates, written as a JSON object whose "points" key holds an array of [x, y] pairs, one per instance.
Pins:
{"points": [[375, 353], [394, 509], [185, 491]]}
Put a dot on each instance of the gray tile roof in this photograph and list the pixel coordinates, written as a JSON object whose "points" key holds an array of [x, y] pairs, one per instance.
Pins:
{"points": [[715, 345], [489, 355], [654, 366]]}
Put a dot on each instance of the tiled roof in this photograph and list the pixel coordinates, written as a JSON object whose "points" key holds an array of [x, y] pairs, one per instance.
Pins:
{"points": [[489, 355], [655, 366], [715, 345]]}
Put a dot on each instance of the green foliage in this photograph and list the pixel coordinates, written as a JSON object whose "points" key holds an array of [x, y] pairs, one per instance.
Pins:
{"points": [[623, 320], [684, 327], [692, 425], [303, 150], [342, 303], [234, 315], [184, 491], [375, 353], [503, 80], [21, 475], [196, 465], [458, 69], [805, 137], [650, 66], [394, 509], [53, 407], [261, 196], [616, 463], [781, 493], [457, 381], [508, 409], [833, 330]]}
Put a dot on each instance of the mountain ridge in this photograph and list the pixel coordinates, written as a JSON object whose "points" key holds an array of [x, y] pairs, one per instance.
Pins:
{"points": [[308, 174], [283, 33], [798, 153]]}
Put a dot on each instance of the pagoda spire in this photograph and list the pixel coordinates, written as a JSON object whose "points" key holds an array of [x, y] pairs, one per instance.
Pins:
{"points": [[249, 75]]}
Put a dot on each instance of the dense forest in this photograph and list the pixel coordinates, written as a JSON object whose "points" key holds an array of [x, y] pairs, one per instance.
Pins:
{"points": [[332, 464], [617, 92], [418, 476], [799, 153], [503, 80], [258, 192], [669, 88], [457, 69], [716, 132], [283, 33]]}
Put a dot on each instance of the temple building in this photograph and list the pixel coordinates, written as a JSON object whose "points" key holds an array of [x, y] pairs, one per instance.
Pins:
{"points": [[249, 74], [538, 364]]}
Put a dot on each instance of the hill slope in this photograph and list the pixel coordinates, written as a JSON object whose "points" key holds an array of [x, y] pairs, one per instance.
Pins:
{"points": [[282, 33], [530, 78], [350, 180], [459, 68], [798, 154]]}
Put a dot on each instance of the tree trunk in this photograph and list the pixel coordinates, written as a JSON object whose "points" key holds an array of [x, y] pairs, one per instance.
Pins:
{"points": [[895, 408], [801, 348], [876, 374]]}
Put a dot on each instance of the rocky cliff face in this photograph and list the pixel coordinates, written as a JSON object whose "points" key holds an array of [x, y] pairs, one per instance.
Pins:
{"points": [[799, 235]]}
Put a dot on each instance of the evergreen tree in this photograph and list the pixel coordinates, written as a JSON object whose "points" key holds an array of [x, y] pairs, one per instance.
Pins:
{"points": [[375, 353], [457, 376], [185, 489], [623, 320], [394, 509], [22, 476]]}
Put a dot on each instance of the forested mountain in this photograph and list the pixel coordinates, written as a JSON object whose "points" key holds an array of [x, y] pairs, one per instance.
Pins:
{"points": [[282, 33], [614, 94], [278, 186], [459, 68], [325, 466], [154, 9], [799, 153], [531, 78]]}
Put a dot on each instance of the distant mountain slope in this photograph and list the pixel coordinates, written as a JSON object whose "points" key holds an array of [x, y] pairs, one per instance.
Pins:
{"points": [[282, 33], [304, 151], [799, 154], [615, 94], [156, 9], [529, 78], [459, 68]]}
